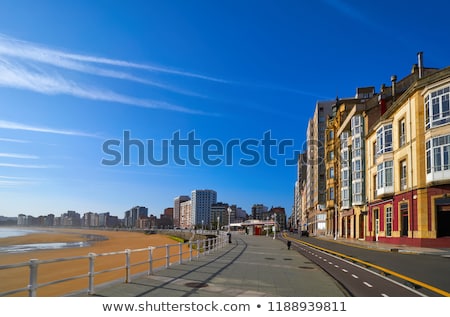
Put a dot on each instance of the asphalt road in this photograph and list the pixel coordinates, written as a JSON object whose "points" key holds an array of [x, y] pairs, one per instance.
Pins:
{"points": [[432, 270]]}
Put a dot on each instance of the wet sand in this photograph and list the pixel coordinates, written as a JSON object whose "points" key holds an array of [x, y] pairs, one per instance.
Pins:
{"points": [[115, 241]]}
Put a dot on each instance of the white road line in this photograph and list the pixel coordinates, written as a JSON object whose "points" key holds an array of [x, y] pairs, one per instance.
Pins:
{"points": [[330, 262], [355, 276], [336, 266], [367, 284], [384, 295], [344, 270]]}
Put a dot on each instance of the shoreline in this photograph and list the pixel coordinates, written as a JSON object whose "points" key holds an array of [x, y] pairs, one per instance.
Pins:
{"points": [[114, 241]]}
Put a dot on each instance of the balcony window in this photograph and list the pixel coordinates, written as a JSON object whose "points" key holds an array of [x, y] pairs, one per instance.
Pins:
{"points": [[385, 174], [357, 192], [403, 172], [345, 198], [402, 132], [437, 108], [357, 125], [331, 193], [437, 158], [331, 172], [384, 139]]}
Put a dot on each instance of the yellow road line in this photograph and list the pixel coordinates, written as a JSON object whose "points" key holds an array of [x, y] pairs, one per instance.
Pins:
{"points": [[380, 268]]}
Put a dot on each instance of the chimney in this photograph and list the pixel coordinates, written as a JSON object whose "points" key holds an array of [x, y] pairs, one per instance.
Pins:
{"points": [[393, 81], [420, 63]]}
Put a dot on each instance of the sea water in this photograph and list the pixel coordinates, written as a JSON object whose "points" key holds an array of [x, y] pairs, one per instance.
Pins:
{"points": [[20, 248]]}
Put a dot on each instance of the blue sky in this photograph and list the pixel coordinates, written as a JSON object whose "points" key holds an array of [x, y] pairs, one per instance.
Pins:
{"points": [[76, 74]]}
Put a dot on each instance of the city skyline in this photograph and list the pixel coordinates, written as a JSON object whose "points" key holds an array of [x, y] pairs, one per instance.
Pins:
{"points": [[241, 78]]}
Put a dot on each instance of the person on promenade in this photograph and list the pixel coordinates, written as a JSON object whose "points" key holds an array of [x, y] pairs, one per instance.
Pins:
{"points": [[289, 244]]}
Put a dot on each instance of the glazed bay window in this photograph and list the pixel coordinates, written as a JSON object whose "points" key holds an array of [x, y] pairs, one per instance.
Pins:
{"points": [[437, 108], [385, 177], [384, 139], [437, 158]]}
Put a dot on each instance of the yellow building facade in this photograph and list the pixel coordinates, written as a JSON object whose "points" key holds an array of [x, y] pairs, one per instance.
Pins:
{"points": [[407, 164]]}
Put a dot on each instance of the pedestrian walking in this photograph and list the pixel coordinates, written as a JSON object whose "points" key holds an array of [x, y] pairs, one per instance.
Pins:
{"points": [[289, 244]]}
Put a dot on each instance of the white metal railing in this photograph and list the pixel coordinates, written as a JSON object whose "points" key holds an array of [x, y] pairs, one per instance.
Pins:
{"points": [[195, 250]]}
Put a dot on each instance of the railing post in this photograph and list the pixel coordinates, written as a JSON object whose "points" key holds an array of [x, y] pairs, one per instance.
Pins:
{"points": [[33, 277], [190, 251], [150, 260], [198, 249], [127, 266], [91, 273], [181, 252], [167, 256]]}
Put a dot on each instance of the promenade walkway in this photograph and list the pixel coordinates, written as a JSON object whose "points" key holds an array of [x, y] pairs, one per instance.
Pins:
{"points": [[249, 266]]}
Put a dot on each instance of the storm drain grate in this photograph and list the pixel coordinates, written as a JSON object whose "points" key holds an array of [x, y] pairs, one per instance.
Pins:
{"points": [[287, 259], [269, 258], [306, 267], [196, 285]]}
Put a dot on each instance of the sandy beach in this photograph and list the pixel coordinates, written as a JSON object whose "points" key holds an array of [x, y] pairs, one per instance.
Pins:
{"points": [[115, 241]]}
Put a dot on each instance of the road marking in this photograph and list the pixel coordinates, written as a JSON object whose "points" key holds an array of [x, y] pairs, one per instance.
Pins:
{"points": [[336, 266], [378, 267], [344, 270], [355, 276], [384, 295], [367, 284], [330, 262]]}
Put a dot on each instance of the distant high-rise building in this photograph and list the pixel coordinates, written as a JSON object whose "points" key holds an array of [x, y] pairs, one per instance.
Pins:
{"points": [[134, 214], [202, 199], [186, 214], [176, 209], [219, 215], [259, 211]]}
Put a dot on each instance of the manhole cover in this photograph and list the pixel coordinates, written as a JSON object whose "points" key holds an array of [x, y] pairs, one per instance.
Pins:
{"points": [[306, 267], [196, 285], [269, 258], [287, 259]]}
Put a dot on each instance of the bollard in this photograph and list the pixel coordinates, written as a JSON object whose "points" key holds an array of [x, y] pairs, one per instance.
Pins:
{"points": [[167, 256], [150, 260], [127, 266], [198, 249]]}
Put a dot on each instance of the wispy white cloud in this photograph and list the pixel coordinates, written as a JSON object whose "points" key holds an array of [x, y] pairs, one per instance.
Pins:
{"points": [[82, 63], [355, 14], [13, 165], [13, 140], [25, 127], [19, 156], [13, 181], [22, 66]]}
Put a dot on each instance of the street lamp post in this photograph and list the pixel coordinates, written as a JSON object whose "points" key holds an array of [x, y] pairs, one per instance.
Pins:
{"points": [[274, 225], [229, 222], [218, 218], [335, 222], [202, 226], [229, 217]]}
